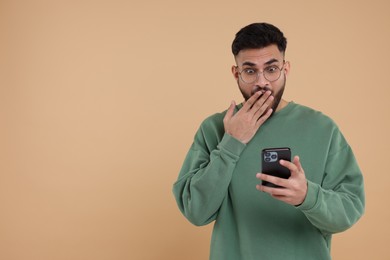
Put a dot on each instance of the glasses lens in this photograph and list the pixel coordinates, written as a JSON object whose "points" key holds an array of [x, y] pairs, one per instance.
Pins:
{"points": [[248, 76], [272, 73]]}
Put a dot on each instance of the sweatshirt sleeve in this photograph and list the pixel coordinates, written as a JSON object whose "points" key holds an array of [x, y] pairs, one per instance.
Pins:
{"points": [[205, 175], [339, 201]]}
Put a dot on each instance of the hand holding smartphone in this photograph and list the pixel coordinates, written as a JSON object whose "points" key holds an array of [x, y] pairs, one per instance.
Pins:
{"points": [[271, 166]]}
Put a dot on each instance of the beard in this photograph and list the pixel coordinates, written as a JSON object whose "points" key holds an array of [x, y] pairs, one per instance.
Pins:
{"points": [[277, 96]]}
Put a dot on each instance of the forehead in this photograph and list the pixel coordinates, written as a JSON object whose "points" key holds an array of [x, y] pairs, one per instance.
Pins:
{"points": [[259, 56]]}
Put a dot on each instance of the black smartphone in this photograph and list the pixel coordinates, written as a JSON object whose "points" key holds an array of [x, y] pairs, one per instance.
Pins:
{"points": [[271, 166]]}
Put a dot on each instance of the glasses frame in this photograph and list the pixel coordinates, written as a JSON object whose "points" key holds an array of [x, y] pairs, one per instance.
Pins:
{"points": [[262, 72]]}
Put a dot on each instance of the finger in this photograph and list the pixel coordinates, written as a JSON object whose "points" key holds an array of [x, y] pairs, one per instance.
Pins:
{"points": [[275, 192], [297, 163], [264, 117], [249, 103], [295, 166], [272, 179], [263, 106], [263, 99], [289, 165], [263, 102], [260, 107]]}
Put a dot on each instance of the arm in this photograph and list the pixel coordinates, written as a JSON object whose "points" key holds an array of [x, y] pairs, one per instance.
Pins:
{"points": [[339, 202], [205, 177], [208, 168], [335, 204]]}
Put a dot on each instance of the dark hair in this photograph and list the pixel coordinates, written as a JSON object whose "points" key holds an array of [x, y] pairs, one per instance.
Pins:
{"points": [[258, 35]]}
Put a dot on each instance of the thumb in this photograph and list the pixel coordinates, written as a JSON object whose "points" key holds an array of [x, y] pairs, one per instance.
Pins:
{"points": [[298, 164], [230, 111]]}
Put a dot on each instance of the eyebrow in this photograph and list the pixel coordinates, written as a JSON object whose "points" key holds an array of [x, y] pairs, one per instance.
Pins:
{"points": [[271, 61], [251, 64]]}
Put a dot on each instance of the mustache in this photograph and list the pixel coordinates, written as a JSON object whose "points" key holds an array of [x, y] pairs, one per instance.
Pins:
{"points": [[257, 88]]}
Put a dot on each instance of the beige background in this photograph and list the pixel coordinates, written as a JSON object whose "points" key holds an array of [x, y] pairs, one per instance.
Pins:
{"points": [[99, 102]]}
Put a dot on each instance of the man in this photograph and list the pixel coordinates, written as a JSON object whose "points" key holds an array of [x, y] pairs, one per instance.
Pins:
{"points": [[219, 180]]}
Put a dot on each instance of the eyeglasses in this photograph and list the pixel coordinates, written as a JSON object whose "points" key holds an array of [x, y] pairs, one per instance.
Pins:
{"points": [[270, 73]]}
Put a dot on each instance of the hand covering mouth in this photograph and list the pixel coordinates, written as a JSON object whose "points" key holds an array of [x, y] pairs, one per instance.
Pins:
{"points": [[258, 88]]}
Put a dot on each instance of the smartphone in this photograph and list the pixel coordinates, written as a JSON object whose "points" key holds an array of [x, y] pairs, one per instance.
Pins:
{"points": [[271, 166]]}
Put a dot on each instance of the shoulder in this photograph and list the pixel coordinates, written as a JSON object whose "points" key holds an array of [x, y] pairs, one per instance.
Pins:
{"points": [[322, 124], [214, 121], [311, 116], [212, 128]]}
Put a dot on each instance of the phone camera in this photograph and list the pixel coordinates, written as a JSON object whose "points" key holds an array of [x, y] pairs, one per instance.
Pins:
{"points": [[270, 156]]}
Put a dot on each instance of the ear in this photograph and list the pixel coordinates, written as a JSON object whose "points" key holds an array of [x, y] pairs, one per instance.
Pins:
{"points": [[235, 72], [287, 67]]}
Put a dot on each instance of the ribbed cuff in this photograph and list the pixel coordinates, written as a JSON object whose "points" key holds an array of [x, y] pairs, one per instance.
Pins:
{"points": [[231, 145], [311, 197]]}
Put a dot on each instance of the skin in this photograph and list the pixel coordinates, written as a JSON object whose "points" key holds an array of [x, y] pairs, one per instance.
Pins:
{"points": [[262, 98]]}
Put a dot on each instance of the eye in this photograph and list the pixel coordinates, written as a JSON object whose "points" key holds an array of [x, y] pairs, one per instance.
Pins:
{"points": [[249, 71], [271, 69]]}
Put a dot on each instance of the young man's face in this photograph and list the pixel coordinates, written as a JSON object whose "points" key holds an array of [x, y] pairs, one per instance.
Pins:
{"points": [[267, 61]]}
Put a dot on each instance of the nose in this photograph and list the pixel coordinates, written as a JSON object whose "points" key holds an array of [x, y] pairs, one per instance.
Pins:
{"points": [[261, 80]]}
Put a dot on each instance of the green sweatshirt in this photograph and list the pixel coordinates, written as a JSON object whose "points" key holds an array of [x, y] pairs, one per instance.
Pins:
{"points": [[218, 183]]}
